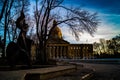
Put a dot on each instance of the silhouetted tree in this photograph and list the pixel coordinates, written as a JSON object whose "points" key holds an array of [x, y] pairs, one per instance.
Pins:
{"points": [[18, 6], [23, 45], [9, 14], [103, 45], [116, 43], [76, 19], [3, 5], [7, 8]]}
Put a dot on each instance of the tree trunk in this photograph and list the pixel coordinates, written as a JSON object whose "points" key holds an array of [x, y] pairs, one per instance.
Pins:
{"points": [[3, 9], [41, 55], [5, 33]]}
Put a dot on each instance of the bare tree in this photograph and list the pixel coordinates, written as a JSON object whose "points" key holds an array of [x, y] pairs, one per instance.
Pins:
{"points": [[18, 7], [115, 44], [9, 14], [7, 8], [97, 48], [76, 19], [103, 45], [3, 8]]}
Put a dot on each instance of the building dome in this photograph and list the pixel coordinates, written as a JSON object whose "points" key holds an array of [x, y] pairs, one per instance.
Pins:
{"points": [[56, 33], [55, 36]]}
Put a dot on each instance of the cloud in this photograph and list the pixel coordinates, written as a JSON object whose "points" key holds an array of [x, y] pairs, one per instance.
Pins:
{"points": [[106, 31]]}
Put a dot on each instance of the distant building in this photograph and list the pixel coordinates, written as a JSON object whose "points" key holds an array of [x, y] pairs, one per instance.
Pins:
{"points": [[58, 48]]}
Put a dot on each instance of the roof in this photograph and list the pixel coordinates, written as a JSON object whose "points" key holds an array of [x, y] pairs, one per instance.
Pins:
{"points": [[57, 41]]}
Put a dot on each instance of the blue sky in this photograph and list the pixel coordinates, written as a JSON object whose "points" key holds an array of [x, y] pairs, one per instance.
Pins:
{"points": [[108, 13]]}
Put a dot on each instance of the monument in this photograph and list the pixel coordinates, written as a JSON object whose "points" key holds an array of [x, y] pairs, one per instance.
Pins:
{"points": [[20, 51]]}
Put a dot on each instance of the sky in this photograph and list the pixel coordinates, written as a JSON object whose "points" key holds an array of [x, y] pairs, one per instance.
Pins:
{"points": [[108, 13]]}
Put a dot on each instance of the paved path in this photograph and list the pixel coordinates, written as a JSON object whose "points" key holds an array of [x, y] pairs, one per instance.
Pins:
{"points": [[20, 74], [104, 71]]}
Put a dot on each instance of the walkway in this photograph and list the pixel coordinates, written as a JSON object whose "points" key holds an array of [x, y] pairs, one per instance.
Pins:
{"points": [[20, 74], [104, 71]]}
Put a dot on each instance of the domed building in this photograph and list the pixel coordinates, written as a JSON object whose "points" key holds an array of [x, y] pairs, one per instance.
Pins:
{"points": [[56, 36], [58, 48], [56, 33]]}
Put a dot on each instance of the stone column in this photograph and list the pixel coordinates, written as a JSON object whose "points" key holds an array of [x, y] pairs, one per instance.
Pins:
{"points": [[79, 52], [64, 51], [53, 52], [83, 52], [75, 53], [61, 50], [49, 52], [57, 51]]}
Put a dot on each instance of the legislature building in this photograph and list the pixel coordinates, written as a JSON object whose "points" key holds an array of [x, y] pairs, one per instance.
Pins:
{"points": [[58, 48]]}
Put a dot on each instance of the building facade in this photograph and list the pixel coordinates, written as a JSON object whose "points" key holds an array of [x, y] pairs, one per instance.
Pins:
{"points": [[58, 48], [70, 51]]}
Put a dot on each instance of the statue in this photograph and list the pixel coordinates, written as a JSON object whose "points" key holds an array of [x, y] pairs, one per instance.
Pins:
{"points": [[20, 51]]}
